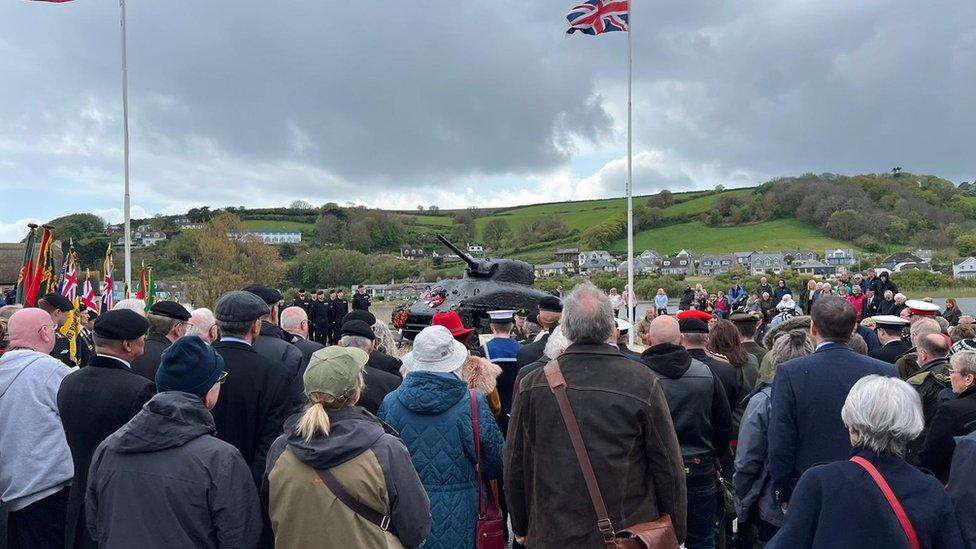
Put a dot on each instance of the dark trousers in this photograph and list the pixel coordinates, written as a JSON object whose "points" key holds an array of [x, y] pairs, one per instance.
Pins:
{"points": [[701, 512], [40, 525]]}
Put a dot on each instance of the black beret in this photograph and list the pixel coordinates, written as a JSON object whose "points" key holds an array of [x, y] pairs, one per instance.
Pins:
{"points": [[693, 326], [357, 328], [121, 325], [268, 294], [240, 306], [551, 303], [170, 309], [358, 314], [58, 301], [92, 315], [532, 317]]}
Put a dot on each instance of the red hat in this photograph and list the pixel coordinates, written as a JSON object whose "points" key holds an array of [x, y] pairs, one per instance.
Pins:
{"points": [[452, 321], [693, 313]]}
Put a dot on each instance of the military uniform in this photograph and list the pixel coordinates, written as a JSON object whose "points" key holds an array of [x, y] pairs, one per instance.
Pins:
{"points": [[930, 381], [340, 308], [890, 352]]}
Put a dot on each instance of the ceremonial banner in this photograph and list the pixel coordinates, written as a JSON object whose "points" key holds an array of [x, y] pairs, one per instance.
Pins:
{"points": [[42, 274], [27, 267], [108, 297], [68, 283], [89, 300], [71, 330]]}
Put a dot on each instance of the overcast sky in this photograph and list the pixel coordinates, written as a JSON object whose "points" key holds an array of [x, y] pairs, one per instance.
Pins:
{"points": [[395, 104]]}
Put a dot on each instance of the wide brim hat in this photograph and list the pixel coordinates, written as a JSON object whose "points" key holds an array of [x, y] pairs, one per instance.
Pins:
{"points": [[435, 350], [452, 321]]}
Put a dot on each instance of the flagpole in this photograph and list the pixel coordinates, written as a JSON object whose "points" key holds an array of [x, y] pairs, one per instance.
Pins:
{"points": [[632, 298], [125, 153]]}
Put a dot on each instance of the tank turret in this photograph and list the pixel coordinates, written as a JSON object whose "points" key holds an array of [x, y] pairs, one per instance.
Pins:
{"points": [[487, 284]]}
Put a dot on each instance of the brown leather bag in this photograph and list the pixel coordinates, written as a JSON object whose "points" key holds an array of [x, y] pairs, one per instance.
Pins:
{"points": [[657, 534]]}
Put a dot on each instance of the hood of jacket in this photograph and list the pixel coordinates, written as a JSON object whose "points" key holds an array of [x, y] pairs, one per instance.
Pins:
{"points": [[795, 323], [168, 420], [13, 363], [430, 393], [667, 359], [352, 431]]}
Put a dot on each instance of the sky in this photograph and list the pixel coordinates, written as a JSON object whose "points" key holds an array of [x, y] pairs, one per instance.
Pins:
{"points": [[456, 104]]}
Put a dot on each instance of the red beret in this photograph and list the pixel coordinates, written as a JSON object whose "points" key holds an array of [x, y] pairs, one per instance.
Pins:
{"points": [[693, 313]]}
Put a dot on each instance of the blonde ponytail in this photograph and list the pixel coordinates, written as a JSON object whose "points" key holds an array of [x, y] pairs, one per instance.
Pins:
{"points": [[315, 421]]}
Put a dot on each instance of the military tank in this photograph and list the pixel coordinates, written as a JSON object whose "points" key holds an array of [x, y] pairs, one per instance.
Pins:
{"points": [[488, 284]]}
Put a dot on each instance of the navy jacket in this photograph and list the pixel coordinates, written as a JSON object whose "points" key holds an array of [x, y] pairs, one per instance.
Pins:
{"points": [[838, 505], [805, 426]]}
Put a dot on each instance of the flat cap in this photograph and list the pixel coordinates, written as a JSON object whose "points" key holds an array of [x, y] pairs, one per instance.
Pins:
{"points": [[58, 301], [121, 325], [240, 306], [623, 325], [170, 309], [551, 303], [743, 317], [693, 313], [267, 293], [692, 326], [357, 314], [357, 328]]}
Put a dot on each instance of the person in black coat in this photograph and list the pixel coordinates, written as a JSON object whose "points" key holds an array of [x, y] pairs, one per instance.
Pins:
{"points": [[954, 418], [808, 393], [256, 398], [321, 318], [164, 479], [871, 305], [378, 384], [840, 505], [96, 400], [361, 301], [550, 310], [294, 320], [168, 321], [58, 307], [340, 307], [889, 328]]}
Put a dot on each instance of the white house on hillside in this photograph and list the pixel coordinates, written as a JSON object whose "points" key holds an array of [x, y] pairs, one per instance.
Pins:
{"points": [[594, 255], [964, 267]]}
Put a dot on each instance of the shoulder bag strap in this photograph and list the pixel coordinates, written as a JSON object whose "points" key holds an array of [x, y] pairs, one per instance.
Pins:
{"points": [[377, 518], [557, 383], [892, 500], [476, 429]]}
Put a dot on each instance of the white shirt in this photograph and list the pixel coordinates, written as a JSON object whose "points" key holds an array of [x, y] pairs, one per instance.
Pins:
{"points": [[127, 365]]}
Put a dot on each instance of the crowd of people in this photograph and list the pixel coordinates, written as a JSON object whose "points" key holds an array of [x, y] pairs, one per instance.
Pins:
{"points": [[253, 424]]}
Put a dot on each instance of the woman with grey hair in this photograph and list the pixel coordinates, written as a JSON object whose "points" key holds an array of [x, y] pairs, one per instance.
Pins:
{"points": [[758, 513], [555, 345], [844, 504], [954, 418]]}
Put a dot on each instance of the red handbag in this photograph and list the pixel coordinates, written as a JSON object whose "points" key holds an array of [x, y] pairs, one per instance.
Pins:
{"points": [[490, 530]]}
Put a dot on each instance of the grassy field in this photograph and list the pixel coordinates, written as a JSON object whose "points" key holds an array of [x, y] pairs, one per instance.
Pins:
{"points": [[702, 204], [781, 234], [583, 214], [263, 225]]}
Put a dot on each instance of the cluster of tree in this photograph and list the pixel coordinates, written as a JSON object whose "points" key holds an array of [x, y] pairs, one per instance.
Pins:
{"points": [[341, 267], [220, 263], [361, 229], [605, 233], [87, 233]]}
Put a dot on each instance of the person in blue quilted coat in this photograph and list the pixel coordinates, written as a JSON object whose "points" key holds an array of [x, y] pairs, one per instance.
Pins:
{"points": [[432, 412]]}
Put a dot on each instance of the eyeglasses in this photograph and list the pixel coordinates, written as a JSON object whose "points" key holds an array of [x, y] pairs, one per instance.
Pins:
{"points": [[222, 378], [53, 327]]}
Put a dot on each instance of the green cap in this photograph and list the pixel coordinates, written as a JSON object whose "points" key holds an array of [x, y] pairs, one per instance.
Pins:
{"points": [[334, 370]]}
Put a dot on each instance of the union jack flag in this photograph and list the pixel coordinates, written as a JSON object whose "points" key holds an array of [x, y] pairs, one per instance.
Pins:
{"points": [[68, 287], [599, 16], [90, 300]]}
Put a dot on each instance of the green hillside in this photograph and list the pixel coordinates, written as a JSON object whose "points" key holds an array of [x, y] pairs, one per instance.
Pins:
{"points": [[780, 234], [263, 225]]}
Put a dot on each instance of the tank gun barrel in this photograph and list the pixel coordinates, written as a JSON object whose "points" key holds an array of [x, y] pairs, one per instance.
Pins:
{"points": [[466, 257]]}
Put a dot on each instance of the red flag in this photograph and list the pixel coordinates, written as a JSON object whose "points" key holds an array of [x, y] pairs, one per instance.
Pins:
{"points": [[141, 294], [88, 299], [40, 273]]}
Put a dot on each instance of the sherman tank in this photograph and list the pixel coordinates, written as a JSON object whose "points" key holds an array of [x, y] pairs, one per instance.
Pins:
{"points": [[488, 284]]}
